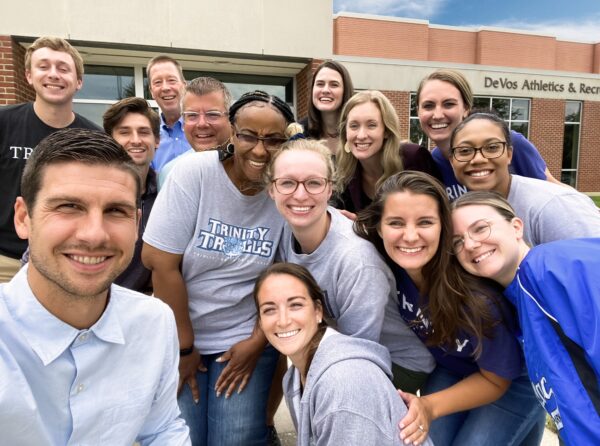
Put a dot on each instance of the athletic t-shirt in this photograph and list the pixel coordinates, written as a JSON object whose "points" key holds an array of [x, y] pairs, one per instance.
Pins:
{"points": [[20, 132], [500, 355]]}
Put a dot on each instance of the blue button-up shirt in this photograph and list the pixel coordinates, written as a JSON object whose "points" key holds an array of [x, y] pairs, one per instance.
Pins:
{"points": [[172, 143], [111, 384]]}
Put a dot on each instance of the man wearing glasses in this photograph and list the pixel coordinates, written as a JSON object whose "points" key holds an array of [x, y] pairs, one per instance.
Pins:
{"points": [[204, 110]]}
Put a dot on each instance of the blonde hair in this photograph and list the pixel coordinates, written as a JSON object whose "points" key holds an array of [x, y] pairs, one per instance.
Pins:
{"points": [[56, 44], [454, 78], [307, 145], [391, 160], [486, 198]]}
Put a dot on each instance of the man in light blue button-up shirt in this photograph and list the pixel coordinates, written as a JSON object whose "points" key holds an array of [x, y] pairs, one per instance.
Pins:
{"points": [[82, 361]]}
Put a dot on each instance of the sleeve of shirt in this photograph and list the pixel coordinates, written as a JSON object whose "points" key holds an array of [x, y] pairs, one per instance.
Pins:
{"points": [[172, 222], [163, 425], [526, 159], [362, 295]]}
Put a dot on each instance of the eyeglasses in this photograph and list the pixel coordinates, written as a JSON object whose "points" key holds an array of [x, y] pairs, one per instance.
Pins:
{"points": [[288, 186], [212, 116], [478, 232], [489, 151], [270, 142]]}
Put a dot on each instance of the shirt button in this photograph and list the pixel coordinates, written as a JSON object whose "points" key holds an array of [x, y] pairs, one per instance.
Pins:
{"points": [[83, 337], [80, 388]]}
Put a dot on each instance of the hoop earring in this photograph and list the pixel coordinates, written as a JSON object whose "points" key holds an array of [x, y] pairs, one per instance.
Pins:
{"points": [[347, 148], [229, 148]]}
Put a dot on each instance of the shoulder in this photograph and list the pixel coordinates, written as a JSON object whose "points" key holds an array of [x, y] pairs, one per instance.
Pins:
{"points": [[344, 239], [16, 111], [84, 123], [138, 308]]}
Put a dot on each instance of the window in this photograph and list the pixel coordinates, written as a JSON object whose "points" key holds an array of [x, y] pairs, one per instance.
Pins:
{"points": [[515, 111], [103, 86], [570, 158], [416, 135]]}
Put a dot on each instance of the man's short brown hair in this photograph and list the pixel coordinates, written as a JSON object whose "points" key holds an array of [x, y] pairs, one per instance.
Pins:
{"points": [[163, 58], [56, 44], [117, 112]]}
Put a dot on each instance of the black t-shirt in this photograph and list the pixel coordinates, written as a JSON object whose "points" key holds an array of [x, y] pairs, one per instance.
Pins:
{"points": [[20, 131]]}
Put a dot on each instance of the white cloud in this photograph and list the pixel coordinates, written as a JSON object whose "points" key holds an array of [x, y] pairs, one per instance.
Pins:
{"points": [[418, 9], [585, 30]]}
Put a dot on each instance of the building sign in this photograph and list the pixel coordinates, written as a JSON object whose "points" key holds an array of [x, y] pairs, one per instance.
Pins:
{"points": [[531, 85]]}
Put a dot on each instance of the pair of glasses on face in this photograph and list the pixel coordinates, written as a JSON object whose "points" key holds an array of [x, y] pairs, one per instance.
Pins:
{"points": [[288, 186], [211, 116], [489, 151], [478, 232], [269, 142]]}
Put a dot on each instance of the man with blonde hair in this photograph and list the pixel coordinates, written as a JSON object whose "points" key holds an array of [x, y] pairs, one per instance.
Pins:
{"points": [[55, 71]]}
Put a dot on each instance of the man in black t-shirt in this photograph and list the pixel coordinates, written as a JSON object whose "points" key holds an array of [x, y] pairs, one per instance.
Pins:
{"points": [[55, 71]]}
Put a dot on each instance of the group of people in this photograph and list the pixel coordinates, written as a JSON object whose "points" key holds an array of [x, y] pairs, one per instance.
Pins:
{"points": [[376, 266]]}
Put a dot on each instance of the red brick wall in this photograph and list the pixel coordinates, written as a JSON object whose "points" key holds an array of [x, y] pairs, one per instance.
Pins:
{"points": [[401, 102], [575, 56], [452, 46], [13, 86], [303, 79], [380, 38], [588, 177], [547, 131], [516, 50]]}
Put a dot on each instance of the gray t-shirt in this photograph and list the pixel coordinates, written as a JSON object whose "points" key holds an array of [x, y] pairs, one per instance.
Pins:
{"points": [[358, 286], [552, 212], [226, 238]]}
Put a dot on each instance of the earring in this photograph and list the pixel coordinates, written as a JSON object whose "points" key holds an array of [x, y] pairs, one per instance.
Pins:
{"points": [[229, 148], [347, 148], [320, 320]]}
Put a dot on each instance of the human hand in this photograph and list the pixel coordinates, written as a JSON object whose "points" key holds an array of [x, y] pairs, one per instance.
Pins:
{"points": [[242, 358], [415, 425], [188, 366]]}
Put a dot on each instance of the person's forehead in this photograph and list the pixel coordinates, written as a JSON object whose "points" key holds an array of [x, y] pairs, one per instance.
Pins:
{"points": [[210, 100], [133, 120], [163, 69], [47, 53]]}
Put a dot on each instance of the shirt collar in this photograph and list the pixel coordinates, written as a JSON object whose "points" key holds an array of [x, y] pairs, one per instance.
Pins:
{"points": [[47, 335], [163, 122]]}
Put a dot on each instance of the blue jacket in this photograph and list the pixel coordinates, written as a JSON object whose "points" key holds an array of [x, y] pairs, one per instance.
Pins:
{"points": [[557, 295]]}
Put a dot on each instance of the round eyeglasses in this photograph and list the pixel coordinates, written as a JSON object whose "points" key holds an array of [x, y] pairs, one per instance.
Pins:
{"points": [[478, 232], [270, 142], [489, 151], [288, 186]]}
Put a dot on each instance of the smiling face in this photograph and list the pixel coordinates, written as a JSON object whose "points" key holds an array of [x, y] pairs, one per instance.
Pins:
{"points": [[201, 134], [328, 90], [249, 161], [441, 109], [496, 257], [301, 209], [288, 316], [81, 231], [410, 228], [166, 86], [53, 76], [365, 131], [481, 173], [134, 133]]}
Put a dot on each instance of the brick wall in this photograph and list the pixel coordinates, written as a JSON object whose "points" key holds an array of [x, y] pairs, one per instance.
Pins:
{"points": [[589, 156], [401, 102], [13, 86], [303, 79], [546, 131], [452, 46]]}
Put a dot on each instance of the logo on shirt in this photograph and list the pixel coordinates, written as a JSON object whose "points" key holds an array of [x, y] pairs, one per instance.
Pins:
{"points": [[455, 191], [234, 241]]}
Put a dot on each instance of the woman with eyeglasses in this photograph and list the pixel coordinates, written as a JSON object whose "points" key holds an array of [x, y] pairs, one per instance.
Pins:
{"points": [[444, 99], [478, 393], [555, 288], [338, 389], [371, 149], [481, 156], [330, 88], [212, 231], [357, 284]]}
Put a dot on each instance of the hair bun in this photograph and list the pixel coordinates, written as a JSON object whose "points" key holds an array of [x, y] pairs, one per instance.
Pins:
{"points": [[293, 129]]}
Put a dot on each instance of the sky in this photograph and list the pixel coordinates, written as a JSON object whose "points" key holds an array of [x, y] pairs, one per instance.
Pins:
{"points": [[577, 20]]}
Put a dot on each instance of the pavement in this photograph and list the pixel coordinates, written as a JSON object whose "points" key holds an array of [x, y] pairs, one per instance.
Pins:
{"points": [[287, 434]]}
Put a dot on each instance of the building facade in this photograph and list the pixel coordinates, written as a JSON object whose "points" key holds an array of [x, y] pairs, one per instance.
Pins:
{"points": [[546, 88]]}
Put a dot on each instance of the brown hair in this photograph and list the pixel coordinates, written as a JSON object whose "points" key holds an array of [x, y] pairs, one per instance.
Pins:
{"points": [[457, 300], [117, 112], [391, 160], [205, 85], [314, 292], [455, 79], [315, 120], [56, 44]]}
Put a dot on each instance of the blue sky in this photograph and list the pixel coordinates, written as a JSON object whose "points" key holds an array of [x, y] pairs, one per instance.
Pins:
{"points": [[577, 20]]}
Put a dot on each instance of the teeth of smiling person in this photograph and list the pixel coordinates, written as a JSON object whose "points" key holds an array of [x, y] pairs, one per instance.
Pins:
{"points": [[88, 260], [168, 98], [411, 250], [483, 256], [287, 334], [480, 173], [256, 164], [300, 208], [439, 126]]}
